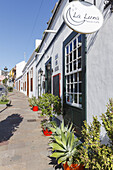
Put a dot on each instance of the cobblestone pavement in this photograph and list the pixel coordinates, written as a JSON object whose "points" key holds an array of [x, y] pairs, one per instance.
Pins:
{"points": [[22, 144]]}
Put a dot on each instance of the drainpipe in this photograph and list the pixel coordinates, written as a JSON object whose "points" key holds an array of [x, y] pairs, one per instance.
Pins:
{"points": [[85, 77]]}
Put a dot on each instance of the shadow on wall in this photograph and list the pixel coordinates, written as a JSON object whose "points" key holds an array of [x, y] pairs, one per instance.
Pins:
{"points": [[8, 126], [106, 15]]}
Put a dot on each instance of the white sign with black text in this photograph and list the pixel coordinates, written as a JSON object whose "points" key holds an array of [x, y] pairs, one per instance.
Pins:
{"points": [[83, 17], [56, 63]]}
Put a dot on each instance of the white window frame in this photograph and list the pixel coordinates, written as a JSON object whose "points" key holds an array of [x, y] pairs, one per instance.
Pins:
{"points": [[70, 86]]}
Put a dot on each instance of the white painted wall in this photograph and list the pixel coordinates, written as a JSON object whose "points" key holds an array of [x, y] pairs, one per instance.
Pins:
{"points": [[99, 68], [19, 68]]}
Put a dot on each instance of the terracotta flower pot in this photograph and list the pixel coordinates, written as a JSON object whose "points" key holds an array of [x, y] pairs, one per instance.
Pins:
{"points": [[73, 167], [35, 108], [46, 132]]}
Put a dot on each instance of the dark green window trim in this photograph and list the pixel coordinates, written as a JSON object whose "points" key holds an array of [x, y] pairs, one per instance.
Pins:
{"points": [[73, 113]]}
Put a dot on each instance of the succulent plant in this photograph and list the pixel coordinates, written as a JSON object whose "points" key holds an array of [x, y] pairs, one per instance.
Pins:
{"points": [[57, 130], [64, 144]]}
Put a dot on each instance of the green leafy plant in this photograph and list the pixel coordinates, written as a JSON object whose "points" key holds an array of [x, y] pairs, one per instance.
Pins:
{"points": [[93, 154], [56, 131], [91, 146], [47, 124], [33, 101], [49, 105], [4, 98], [64, 144], [10, 89], [65, 147], [107, 121]]}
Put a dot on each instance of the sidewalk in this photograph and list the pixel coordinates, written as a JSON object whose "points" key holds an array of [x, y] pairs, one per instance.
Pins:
{"points": [[22, 144]]}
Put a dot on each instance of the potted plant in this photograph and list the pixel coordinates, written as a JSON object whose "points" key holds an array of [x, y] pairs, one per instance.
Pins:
{"points": [[46, 124], [65, 148], [34, 103], [50, 105]]}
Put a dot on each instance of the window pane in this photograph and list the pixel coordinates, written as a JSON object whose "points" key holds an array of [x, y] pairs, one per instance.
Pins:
{"points": [[67, 98], [79, 38], [75, 88], [74, 43], [74, 54], [75, 77], [75, 98], [80, 87], [71, 77], [70, 66], [80, 76], [70, 47], [67, 50], [67, 79], [71, 98], [67, 68], [67, 88], [74, 65], [80, 99], [71, 88], [70, 57], [79, 51], [67, 59], [79, 63]]}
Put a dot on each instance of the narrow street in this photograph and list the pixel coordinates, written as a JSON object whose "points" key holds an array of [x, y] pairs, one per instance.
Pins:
{"points": [[22, 144]]}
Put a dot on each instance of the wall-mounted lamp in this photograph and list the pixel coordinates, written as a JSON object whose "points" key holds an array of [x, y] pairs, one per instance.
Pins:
{"points": [[111, 5], [50, 31], [49, 66], [107, 3], [41, 72]]}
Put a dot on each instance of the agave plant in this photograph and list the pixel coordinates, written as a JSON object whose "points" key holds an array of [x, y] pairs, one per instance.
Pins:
{"points": [[64, 144], [58, 130]]}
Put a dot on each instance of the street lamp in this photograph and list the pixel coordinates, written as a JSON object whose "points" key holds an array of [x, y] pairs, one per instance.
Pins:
{"points": [[5, 69]]}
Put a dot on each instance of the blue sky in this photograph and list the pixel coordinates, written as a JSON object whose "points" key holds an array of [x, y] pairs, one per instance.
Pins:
{"points": [[21, 22]]}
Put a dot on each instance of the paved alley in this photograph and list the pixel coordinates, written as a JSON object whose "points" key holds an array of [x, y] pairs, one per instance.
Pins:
{"points": [[22, 144]]}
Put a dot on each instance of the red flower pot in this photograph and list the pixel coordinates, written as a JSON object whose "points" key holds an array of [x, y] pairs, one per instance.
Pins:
{"points": [[46, 132], [35, 108], [73, 167]]}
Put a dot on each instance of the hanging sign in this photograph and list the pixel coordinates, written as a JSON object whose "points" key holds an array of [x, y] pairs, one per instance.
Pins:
{"points": [[83, 17]]}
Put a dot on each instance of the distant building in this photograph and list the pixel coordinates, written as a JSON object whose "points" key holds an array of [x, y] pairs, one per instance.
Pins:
{"points": [[12, 77], [3, 74], [29, 73], [18, 80]]}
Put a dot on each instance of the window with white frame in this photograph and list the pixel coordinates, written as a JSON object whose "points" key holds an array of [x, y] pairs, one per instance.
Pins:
{"points": [[39, 84], [73, 71], [31, 79]]}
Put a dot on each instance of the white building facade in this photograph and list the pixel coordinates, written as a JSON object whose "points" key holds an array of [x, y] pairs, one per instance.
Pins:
{"points": [[77, 67], [29, 76], [18, 81]]}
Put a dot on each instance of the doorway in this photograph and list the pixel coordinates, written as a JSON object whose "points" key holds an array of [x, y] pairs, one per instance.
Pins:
{"points": [[28, 84], [48, 77]]}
